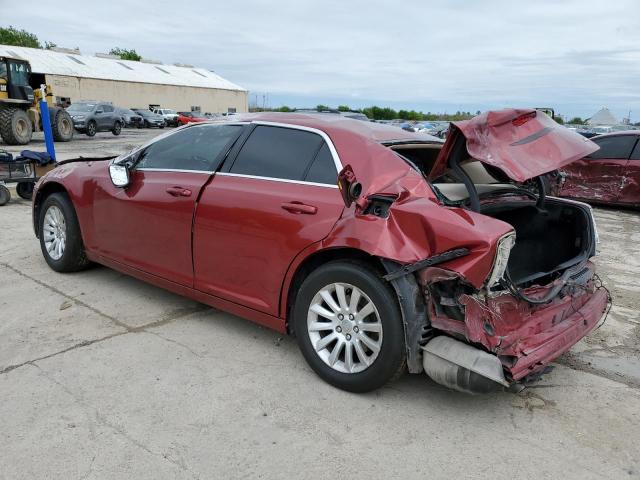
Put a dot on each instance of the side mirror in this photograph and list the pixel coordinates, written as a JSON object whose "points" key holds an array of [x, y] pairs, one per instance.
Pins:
{"points": [[119, 175], [350, 188]]}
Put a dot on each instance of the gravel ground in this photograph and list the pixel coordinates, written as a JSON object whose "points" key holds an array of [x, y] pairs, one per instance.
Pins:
{"points": [[102, 376]]}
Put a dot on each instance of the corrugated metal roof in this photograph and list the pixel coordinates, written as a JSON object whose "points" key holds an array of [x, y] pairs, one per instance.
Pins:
{"points": [[86, 66]]}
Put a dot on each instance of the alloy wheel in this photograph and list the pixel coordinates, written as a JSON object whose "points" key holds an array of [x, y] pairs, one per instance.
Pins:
{"points": [[54, 229], [344, 327]]}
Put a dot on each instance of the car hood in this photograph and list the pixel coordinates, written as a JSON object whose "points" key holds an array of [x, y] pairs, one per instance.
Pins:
{"points": [[523, 143]]}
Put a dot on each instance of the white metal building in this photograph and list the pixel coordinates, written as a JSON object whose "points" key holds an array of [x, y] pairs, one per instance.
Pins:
{"points": [[131, 84]]}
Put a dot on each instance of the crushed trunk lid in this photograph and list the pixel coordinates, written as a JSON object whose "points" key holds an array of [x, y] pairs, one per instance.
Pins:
{"points": [[522, 143]]}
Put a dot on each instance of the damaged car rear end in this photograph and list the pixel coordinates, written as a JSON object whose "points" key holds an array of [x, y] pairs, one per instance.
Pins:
{"points": [[501, 282]]}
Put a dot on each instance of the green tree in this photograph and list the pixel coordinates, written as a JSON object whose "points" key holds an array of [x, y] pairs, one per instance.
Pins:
{"points": [[559, 120], [344, 108], [322, 107], [125, 54], [284, 108], [19, 38], [576, 121]]}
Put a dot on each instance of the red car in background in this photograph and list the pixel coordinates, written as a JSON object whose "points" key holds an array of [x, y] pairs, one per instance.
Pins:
{"points": [[380, 250], [191, 117], [610, 175]]}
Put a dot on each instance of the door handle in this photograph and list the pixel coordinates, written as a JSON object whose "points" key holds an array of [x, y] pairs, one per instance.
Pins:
{"points": [[299, 207], [179, 192]]}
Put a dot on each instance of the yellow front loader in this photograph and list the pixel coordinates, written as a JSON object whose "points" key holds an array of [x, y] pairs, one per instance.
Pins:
{"points": [[20, 114]]}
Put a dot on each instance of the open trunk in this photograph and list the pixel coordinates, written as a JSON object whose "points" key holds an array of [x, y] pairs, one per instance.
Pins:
{"points": [[548, 240], [551, 234]]}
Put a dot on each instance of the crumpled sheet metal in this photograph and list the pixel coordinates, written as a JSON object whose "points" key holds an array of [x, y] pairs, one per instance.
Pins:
{"points": [[418, 227], [524, 336], [521, 149]]}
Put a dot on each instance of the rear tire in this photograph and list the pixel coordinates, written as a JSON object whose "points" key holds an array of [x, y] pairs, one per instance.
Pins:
{"points": [[5, 195], [60, 236], [61, 124], [92, 128], [117, 128], [15, 126], [370, 346], [25, 190]]}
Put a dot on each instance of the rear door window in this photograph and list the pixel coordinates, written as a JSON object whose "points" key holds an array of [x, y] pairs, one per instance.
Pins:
{"points": [[615, 148], [277, 152], [195, 148]]}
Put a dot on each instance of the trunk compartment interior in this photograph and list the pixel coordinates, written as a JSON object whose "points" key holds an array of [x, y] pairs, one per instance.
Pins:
{"points": [[547, 241]]}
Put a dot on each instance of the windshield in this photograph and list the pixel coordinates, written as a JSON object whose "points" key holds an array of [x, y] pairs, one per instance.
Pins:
{"points": [[145, 113], [168, 110], [19, 73], [82, 107]]}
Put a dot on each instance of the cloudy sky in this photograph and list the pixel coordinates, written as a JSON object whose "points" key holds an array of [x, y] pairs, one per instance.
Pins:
{"points": [[445, 55]]}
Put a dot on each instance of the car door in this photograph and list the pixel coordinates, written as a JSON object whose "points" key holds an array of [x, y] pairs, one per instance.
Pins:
{"points": [[599, 176], [101, 117], [148, 224], [109, 117], [276, 194], [630, 189]]}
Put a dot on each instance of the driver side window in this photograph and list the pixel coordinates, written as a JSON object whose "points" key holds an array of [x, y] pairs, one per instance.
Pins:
{"points": [[194, 148]]}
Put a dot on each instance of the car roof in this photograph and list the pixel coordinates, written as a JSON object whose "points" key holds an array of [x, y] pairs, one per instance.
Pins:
{"points": [[615, 134], [339, 125]]}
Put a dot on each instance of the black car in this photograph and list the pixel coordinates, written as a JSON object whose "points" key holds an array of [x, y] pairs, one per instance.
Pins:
{"points": [[150, 119]]}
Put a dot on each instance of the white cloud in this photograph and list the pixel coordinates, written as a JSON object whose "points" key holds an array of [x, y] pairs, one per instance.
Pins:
{"points": [[575, 55]]}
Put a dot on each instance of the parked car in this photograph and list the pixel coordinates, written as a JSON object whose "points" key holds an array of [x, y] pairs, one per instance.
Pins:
{"points": [[170, 116], [93, 117], [150, 119], [130, 118], [376, 248], [611, 175], [191, 117]]}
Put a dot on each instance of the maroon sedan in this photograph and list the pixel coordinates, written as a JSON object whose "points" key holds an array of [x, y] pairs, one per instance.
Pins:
{"points": [[380, 250], [610, 175]]}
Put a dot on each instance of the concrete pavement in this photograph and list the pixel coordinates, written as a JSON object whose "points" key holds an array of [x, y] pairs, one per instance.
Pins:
{"points": [[103, 376]]}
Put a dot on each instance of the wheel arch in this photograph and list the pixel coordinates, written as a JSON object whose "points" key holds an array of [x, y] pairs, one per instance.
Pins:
{"points": [[309, 260], [40, 195]]}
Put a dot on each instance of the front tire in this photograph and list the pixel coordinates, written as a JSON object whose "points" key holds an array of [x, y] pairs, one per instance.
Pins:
{"points": [[349, 327], [15, 126], [60, 237]]}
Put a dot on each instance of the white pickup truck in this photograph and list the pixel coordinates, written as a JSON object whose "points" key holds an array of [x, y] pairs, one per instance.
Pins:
{"points": [[170, 116]]}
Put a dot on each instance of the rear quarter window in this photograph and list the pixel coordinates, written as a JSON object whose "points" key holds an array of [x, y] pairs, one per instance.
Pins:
{"points": [[635, 155], [323, 168]]}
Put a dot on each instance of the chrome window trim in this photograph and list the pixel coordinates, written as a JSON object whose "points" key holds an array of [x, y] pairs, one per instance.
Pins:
{"points": [[283, 180], [179, 170], [334, 153]]}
